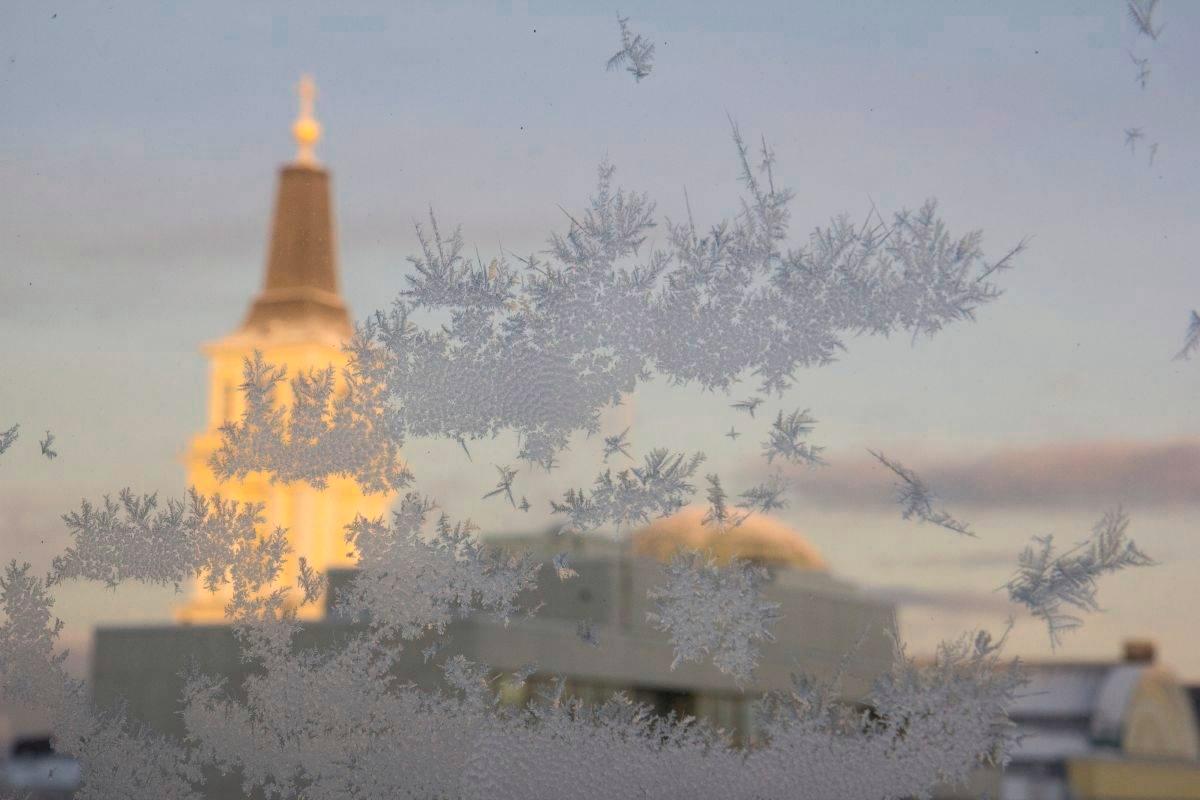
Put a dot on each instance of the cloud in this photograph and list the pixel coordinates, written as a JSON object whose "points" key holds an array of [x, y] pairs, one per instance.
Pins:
{"points": [[1063, 475]]}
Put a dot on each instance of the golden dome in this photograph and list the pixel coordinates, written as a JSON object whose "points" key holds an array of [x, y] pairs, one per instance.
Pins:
{"points": [[760, 538]]}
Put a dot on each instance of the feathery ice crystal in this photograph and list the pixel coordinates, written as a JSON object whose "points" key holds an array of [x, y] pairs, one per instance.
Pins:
{"points": [[717, 611], [1046, 583], [917, 498]]}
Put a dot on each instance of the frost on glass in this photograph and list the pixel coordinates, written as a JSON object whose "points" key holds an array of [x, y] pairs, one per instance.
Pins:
{"points": [[748, 405], [8, 437], [715, 611], [1141, 13], [1049, 583], [408, 582], [47, 445], [538, 347], [786, 439], [1191, 339], [766, 496], [504, 485], [916, 498], [636, 54], [930, 722], [719, 513], [1143, 67], [634, 496]]}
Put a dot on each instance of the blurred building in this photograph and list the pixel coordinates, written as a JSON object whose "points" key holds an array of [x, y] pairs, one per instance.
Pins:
{"points": [[1092, 730], [824, 618]]}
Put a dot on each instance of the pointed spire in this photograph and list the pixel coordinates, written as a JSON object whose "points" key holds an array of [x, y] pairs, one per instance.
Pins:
{"points": [[306, 129], [301, 284]]}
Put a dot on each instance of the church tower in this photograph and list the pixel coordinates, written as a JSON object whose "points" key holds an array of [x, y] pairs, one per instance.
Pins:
{"points": [[300, 321]]}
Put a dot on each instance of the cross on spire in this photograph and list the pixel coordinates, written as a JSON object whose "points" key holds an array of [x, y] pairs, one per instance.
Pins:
{"points": [[306, 129]]}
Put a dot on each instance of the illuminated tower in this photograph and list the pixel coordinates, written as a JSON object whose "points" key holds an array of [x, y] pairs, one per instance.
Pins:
{"points": [[298, 320]]}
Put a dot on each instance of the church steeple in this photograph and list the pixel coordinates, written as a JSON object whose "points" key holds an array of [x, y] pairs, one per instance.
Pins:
{"points": [[298, 321], [301, 285]]}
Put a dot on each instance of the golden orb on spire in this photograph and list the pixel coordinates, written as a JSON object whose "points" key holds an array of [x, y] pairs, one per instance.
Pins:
{"points": [[306, 129]]}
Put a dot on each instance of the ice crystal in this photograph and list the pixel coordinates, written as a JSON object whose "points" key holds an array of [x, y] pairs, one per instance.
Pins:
{"points": [[27, 637], [118, 762], [917, 499], [1191, 339], [719, 514], [732, 435], [46, 445], [507, 474], [910, 733], [1132, 137], [748, 405], [658, 488], [354, 434], [1141, 12], [1047, 584], [311, 582], [767, 496], [635, 51], [8, 437], [714, 611], [1143, 65], [410, 585], [470, 678], [617, 444], [786, 439], [132, 539]]}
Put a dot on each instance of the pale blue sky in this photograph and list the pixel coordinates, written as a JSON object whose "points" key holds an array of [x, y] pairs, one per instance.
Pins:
{"points": [[138, 148]]}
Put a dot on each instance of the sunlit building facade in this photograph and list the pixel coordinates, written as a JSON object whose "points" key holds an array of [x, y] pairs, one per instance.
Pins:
{"points": [[300, 321]]}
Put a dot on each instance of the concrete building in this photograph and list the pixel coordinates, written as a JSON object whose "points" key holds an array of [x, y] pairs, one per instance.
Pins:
{"points": [[823, 619]]}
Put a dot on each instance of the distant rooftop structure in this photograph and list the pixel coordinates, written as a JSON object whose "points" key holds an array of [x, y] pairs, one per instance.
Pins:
{"points": [[1118, 729], [759, 538]]}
